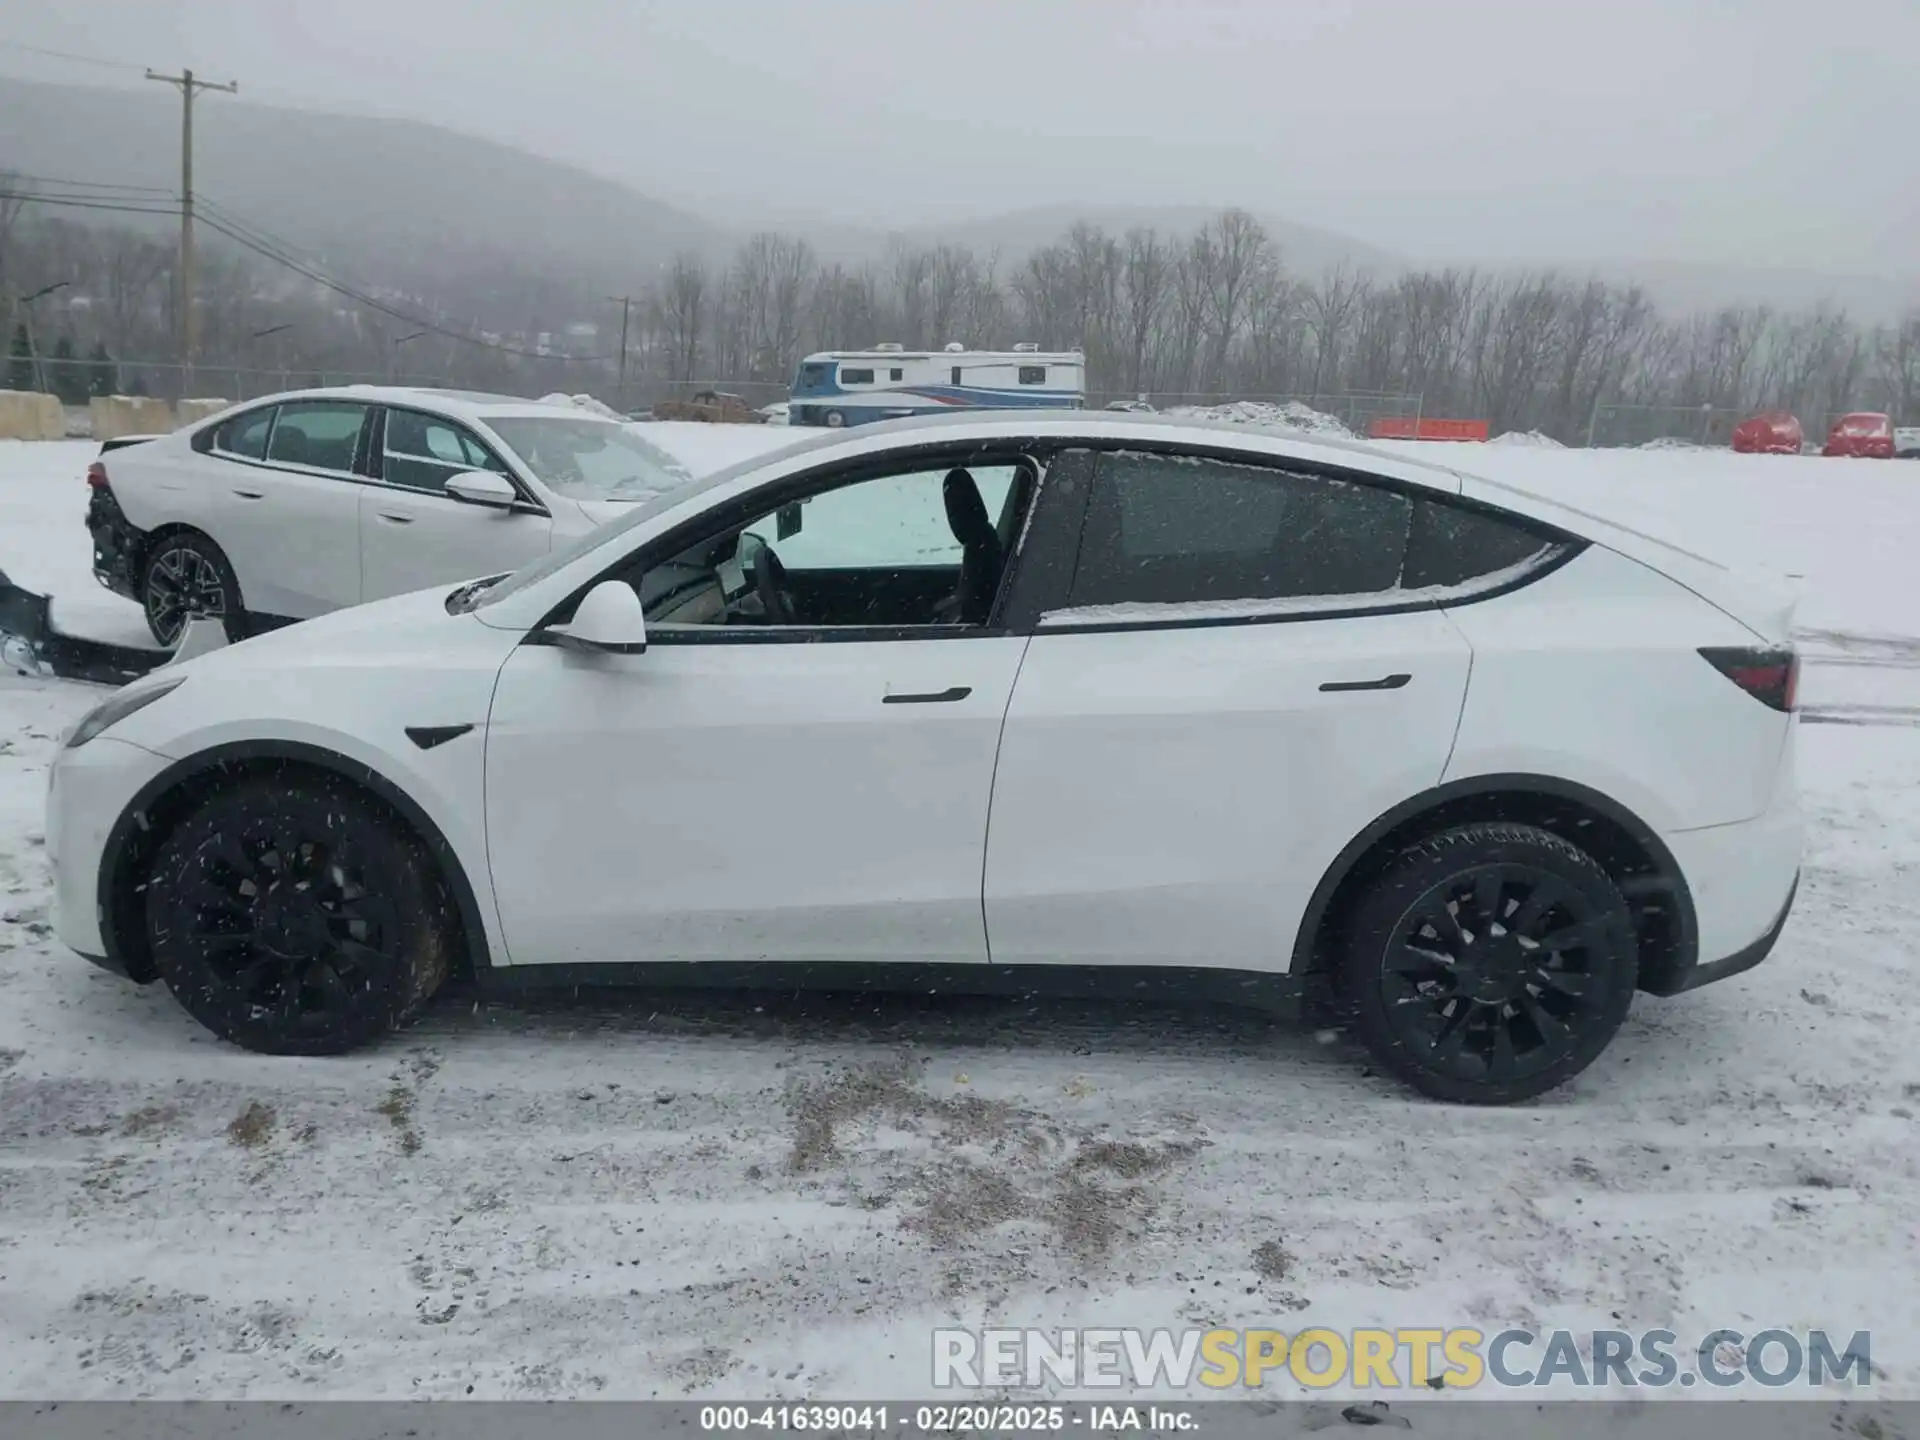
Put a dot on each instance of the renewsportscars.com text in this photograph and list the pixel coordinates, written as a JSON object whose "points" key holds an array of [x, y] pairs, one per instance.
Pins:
{"points": [[1398, 1359]]}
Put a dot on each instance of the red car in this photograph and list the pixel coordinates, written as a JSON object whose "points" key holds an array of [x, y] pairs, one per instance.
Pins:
{"points": [[1772, 432], [1862, 434]]}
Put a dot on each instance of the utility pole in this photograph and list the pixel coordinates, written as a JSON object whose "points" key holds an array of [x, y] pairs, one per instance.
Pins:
{"points": [[188, 87], [626, 311]]}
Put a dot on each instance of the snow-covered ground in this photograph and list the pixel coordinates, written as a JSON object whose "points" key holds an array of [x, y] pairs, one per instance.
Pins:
{"points": [[676, 1195]]}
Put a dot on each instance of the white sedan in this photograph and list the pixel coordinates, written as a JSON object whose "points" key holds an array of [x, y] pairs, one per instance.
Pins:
{"points": [[291, 506], [1033, 702]]}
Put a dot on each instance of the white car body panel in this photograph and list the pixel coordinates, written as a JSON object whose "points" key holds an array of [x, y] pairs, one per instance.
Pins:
{"points": [[350, 684], [745, 802], [1593, 674], [414, 538], [86, 793], [1172, 797]]}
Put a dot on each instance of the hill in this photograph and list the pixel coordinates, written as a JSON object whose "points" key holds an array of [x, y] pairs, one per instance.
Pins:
{"points": [[394, 202]]}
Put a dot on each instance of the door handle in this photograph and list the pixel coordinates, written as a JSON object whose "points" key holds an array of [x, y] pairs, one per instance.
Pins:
{"points": [[393, 519], [251, 494], [937, 697], [1385, 682]]}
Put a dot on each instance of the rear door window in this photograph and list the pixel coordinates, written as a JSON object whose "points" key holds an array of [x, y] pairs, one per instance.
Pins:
{"points": [[245, 436], [1177, 530], [318, 434]]}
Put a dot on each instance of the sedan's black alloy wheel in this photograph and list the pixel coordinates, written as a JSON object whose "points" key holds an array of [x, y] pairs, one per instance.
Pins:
{"points": [[186, 575], [294, 918], [1490, 963]]}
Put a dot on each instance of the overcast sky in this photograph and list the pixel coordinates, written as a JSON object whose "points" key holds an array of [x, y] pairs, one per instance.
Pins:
{"points": [[1538, 131]]}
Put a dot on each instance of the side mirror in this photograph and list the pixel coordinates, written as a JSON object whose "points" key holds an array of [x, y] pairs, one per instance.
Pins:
{"points": [[482, 487], [608, 621]]}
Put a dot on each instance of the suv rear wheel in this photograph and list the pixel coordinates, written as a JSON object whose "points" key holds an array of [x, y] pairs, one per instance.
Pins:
{"points": [[1490, 963]]}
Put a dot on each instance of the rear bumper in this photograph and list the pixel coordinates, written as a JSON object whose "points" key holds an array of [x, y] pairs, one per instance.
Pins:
{"points": [[117, 545], [1742, 879], [1742, 959]]}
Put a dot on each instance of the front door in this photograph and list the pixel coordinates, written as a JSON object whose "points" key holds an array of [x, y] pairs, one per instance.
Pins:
{"points": [[796, 769], [413, 534]]}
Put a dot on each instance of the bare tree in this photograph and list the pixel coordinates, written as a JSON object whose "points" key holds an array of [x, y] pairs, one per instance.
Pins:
{"points": [[683, 307], [1145, 269], [1328, 309]]}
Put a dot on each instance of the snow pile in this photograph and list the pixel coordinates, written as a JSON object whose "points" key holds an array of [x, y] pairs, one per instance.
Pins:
{"points": [[1672, 442], [1289, 416], [1527, 437], [583, 402]]}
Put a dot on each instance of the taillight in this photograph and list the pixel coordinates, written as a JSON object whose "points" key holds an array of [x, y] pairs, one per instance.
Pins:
{"points": [[96, 476], [1771, 676]]}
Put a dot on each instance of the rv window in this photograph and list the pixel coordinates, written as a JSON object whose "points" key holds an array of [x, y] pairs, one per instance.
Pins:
{"points": [[1033, 374], [896, 374], [956, 374], [856, 377]]}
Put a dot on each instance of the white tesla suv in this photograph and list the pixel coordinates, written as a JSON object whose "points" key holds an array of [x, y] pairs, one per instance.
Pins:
{"points": [[298, 504], [1025, 702]]}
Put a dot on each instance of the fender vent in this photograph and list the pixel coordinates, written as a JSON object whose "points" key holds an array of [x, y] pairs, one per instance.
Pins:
{"points": [[428, 736]]}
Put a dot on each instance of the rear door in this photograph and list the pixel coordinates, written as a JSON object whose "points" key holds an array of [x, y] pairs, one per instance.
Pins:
{"points": [[1235, 687], [286, 505], [414, 534]]}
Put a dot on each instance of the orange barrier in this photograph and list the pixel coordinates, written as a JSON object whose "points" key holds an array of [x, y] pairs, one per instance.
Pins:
{"points": [[1405, 427]]}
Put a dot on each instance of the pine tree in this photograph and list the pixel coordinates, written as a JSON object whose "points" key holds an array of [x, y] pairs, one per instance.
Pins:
{"points": [[20, 367], [64, 375], [103, 376]]}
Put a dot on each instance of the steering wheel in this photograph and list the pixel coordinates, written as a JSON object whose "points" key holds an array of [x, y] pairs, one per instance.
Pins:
{"points": [[770, 580]]}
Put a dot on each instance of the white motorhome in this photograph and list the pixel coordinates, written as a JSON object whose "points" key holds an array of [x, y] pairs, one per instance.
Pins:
{"points": [[853, 387]]}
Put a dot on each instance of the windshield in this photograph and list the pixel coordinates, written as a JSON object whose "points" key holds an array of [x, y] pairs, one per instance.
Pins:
{"points": [[584, 458], [657, 504]]}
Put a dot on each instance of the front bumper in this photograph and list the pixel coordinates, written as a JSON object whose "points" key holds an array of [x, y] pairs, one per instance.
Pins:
{"points": [[117, 545], [87, 791]]}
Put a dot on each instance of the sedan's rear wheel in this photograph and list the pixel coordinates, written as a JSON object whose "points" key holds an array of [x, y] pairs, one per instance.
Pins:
{"points": [[294, 918], [1490, 963], [186, 575]]}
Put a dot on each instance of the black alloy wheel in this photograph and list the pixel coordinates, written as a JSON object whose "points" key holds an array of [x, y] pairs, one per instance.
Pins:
{"points": [[294, 918], [1491, 963]]}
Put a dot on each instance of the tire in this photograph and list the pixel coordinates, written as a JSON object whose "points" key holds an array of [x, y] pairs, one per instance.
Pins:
{"points": [[836, 419], [185, 573], [353, 945], [1489, 1026]]}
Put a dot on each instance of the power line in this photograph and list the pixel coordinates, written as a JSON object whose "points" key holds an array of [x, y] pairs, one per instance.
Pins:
{"points": [[14, 176], [385, 308], [94, 60], [86, 203], [260, 242]]}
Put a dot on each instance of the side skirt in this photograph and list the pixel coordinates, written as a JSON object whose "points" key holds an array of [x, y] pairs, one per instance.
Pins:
{"points": [[1278, 994]]}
